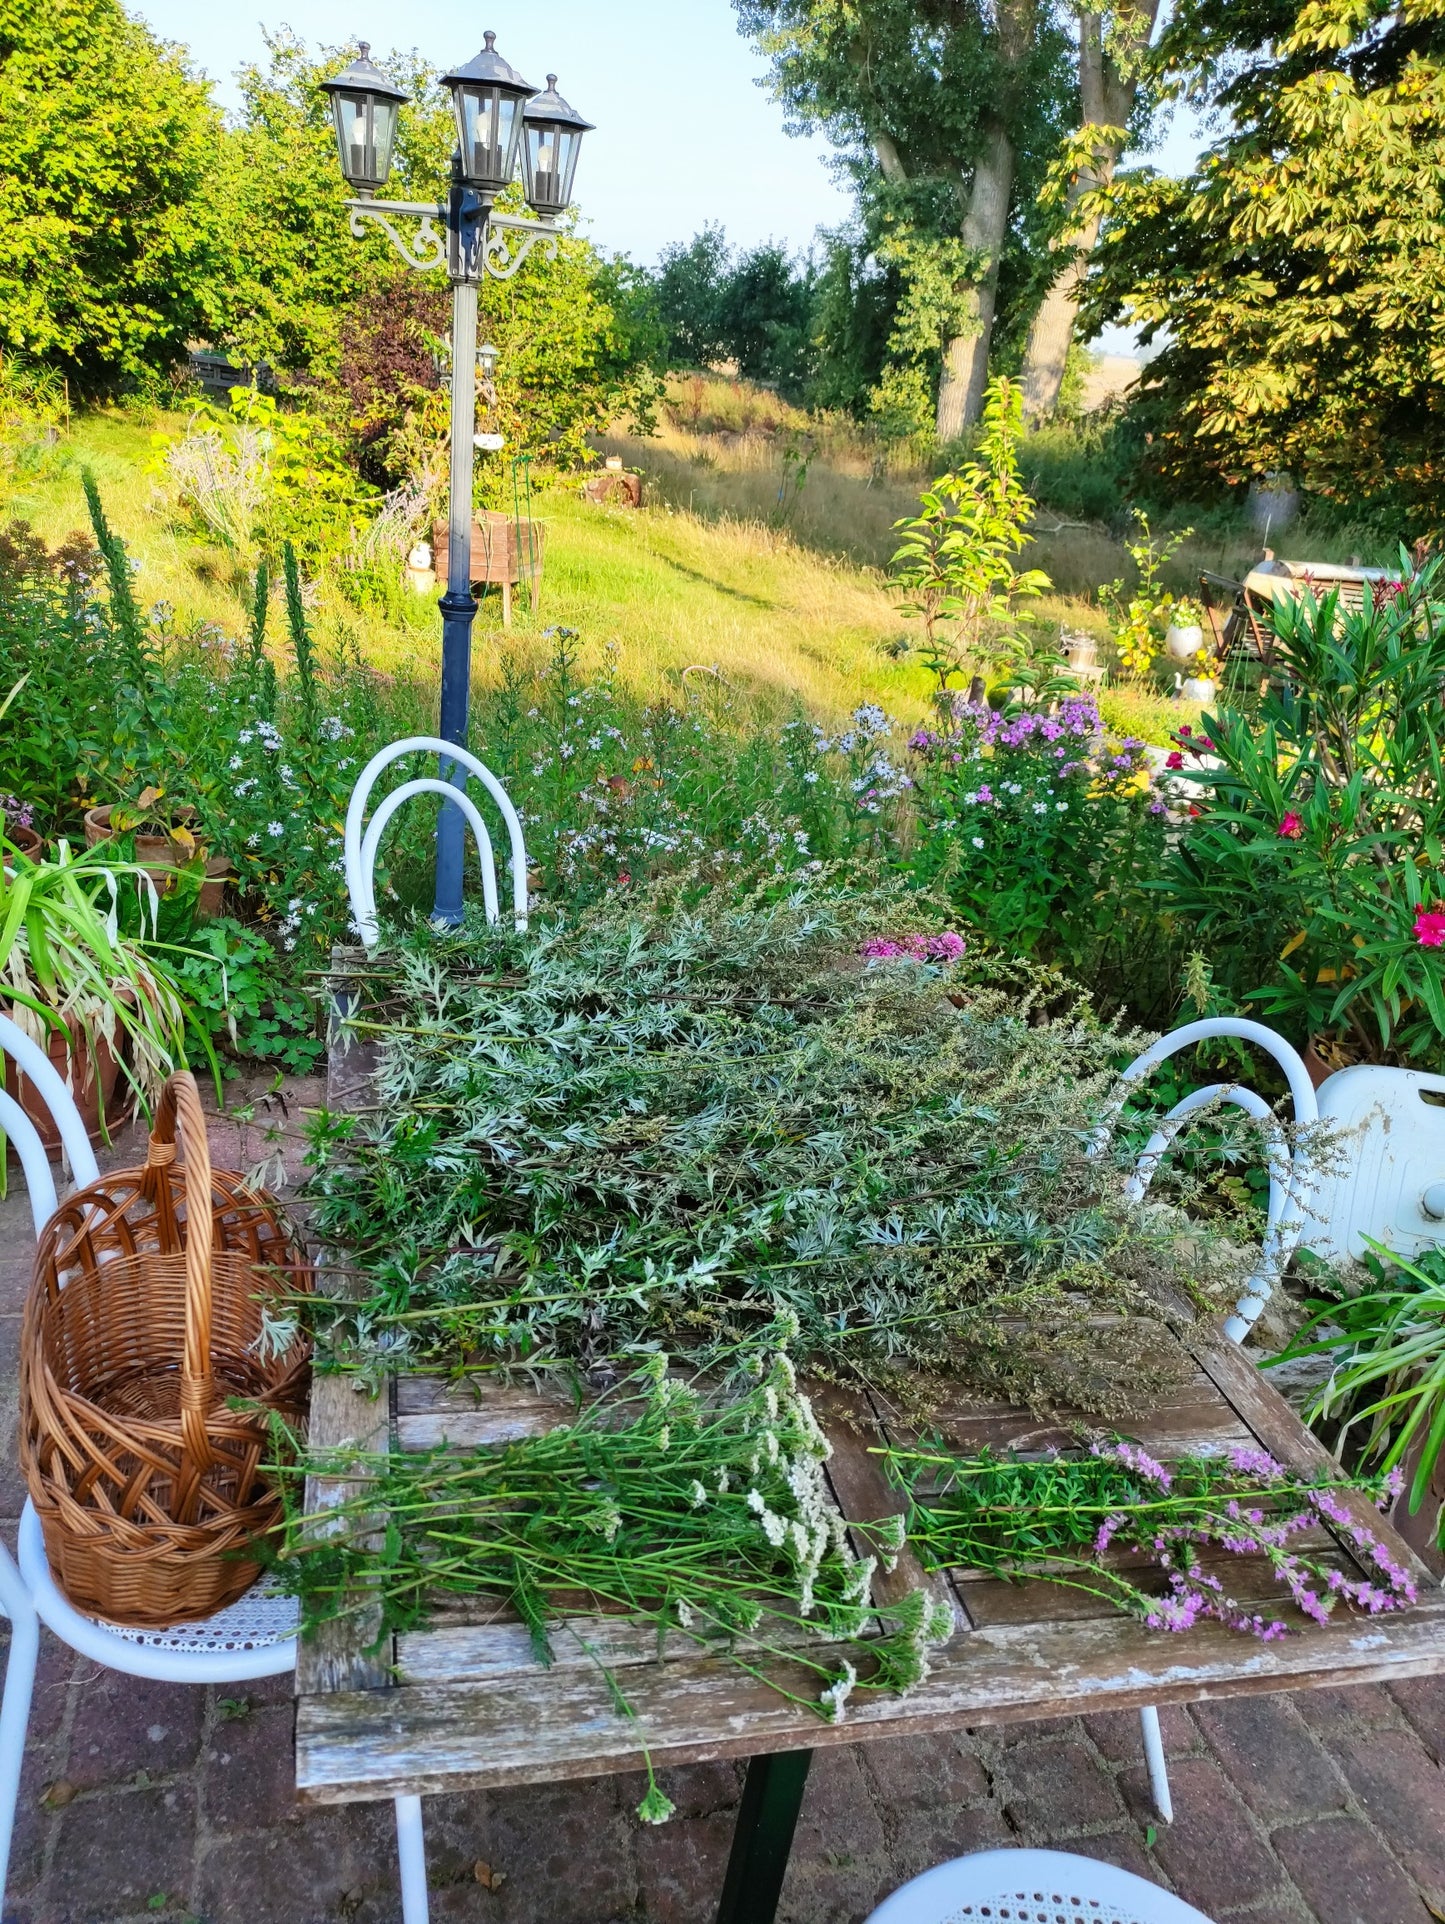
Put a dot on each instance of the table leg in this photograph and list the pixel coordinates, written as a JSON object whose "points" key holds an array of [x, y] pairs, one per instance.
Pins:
{"points": [[763, 1840]]}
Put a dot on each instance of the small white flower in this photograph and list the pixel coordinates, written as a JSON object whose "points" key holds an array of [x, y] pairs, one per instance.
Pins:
{"points": [[837, 1694], [274, 829], [977, 840]]}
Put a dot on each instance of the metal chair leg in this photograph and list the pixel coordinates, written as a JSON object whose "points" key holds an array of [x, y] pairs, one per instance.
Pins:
{"points": [[411, 1857], [15, 1705], [1158, 1769]]}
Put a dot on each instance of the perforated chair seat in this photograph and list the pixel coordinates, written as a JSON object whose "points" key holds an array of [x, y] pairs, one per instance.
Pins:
{"points": [[253, 1637], [1032, 1887]]}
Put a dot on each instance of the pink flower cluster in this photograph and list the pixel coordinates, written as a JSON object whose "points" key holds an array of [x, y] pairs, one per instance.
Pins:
{"points": [[1195, 1593], [947, 947], [1430, 929]]}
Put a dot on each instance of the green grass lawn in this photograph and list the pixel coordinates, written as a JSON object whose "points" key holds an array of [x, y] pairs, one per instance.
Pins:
{"points": [[782, 616]]}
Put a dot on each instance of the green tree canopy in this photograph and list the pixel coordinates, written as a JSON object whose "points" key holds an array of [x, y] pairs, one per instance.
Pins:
{"points": [[754, 307], [945, 114], [110, 231], [1294, 279]]}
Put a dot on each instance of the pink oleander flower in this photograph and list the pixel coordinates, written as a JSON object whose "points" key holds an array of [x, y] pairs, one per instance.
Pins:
{"points": [[1291, 827], [1174, 759], [1430, 929]]}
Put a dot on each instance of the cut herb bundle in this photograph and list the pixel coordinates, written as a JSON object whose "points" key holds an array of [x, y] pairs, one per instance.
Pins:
{"points": [[1059, 1518], [662, 1123], [708, 1518]]}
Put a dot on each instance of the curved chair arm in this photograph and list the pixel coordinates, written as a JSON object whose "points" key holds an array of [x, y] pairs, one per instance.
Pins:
{"points": [[15, 1704], [364, 909], [360, 856], [1284, 1223], [1302, 1090], [42, 1075], [1289, 1173]]}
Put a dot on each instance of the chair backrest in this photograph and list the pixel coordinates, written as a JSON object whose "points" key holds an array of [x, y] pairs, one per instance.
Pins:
{"points": [[361, 850], [1290, 1173], [40, 1072], [1032, 1887]]}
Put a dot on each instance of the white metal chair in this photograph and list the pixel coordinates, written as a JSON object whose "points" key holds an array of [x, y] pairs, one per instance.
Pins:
{"points": [[1291, 1174], [255, 1637], [1032, 1887], [361, 850]]}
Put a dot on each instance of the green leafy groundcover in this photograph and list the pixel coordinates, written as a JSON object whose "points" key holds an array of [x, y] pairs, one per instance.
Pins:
{"points": [[662, 1123]]}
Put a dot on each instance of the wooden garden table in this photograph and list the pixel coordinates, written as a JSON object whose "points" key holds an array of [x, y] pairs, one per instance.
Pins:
{"points": [[464, 1705]]}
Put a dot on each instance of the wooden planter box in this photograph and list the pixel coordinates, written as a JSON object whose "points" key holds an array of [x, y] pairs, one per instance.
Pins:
{"points": [[505, 552]]}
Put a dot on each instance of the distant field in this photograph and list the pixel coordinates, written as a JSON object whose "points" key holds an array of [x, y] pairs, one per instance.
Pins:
{"points": [[788, 601]]}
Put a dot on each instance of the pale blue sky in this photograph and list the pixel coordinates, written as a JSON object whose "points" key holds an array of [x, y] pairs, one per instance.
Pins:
{"points": [[684, 135]]}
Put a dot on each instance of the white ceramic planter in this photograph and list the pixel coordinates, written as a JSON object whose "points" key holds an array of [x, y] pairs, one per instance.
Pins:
{"points": [[1183, 644], [1200, 688]]}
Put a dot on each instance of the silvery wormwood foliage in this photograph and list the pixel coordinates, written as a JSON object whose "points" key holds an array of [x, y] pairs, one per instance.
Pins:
{"points": [[657, 1124]]}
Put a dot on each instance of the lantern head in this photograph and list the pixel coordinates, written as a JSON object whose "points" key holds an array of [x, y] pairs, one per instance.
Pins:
{"points": [[552, 139], [364, 108], [487, 96]]}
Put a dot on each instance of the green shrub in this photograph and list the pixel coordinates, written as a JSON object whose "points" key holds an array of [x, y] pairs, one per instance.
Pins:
{"points": [[1310, 874], [239, 990]]}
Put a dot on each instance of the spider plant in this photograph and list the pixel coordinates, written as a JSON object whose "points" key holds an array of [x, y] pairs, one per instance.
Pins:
{"points": [[1389, 1377], [66, 969]]}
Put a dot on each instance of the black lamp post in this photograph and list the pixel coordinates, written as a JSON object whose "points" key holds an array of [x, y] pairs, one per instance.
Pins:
{"points": [[495, 126]]}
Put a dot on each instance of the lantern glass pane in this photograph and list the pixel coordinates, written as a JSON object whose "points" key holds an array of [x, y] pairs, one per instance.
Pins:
{"points": [[550, 163], [383, 133], [487, 127], [349, 113]]}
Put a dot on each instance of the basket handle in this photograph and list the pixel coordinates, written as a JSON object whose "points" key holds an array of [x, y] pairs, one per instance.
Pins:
{"points": [[180, 1118]]}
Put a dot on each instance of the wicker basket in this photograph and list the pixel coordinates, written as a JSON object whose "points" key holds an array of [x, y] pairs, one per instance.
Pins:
{"points": [[141, 1322]]}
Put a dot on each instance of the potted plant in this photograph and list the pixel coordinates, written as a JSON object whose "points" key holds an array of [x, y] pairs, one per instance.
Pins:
{"points": [[167, 845], [17, 826], [105, 1010], [1184, 637]]}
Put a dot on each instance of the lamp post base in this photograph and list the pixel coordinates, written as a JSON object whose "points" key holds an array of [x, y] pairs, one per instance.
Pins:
{"points": [[459, 611]]}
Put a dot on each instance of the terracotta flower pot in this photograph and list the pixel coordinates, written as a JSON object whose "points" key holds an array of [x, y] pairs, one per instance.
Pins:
{"points": [[25, 839], [92, 1078], [160, 858]]}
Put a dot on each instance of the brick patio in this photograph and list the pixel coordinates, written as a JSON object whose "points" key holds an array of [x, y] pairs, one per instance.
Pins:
{"points": [[147, 1801]]}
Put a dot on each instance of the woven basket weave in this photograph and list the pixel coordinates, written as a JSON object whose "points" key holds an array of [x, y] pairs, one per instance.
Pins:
{"points": [[142, 1319]]}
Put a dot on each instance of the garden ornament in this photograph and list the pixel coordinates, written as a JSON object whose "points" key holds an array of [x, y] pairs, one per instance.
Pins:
{"points": [[255, 1637], [360, 851], [420, 573], [1050, 1887]]}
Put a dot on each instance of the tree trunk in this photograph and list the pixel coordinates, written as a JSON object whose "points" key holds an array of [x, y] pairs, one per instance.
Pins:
{"points": [[1051, 335], [985, 226], [965, 359], [1106, 99]]}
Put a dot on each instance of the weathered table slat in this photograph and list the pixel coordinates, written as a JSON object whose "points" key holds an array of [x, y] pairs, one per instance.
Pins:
{"points": [[550, 1725]]}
